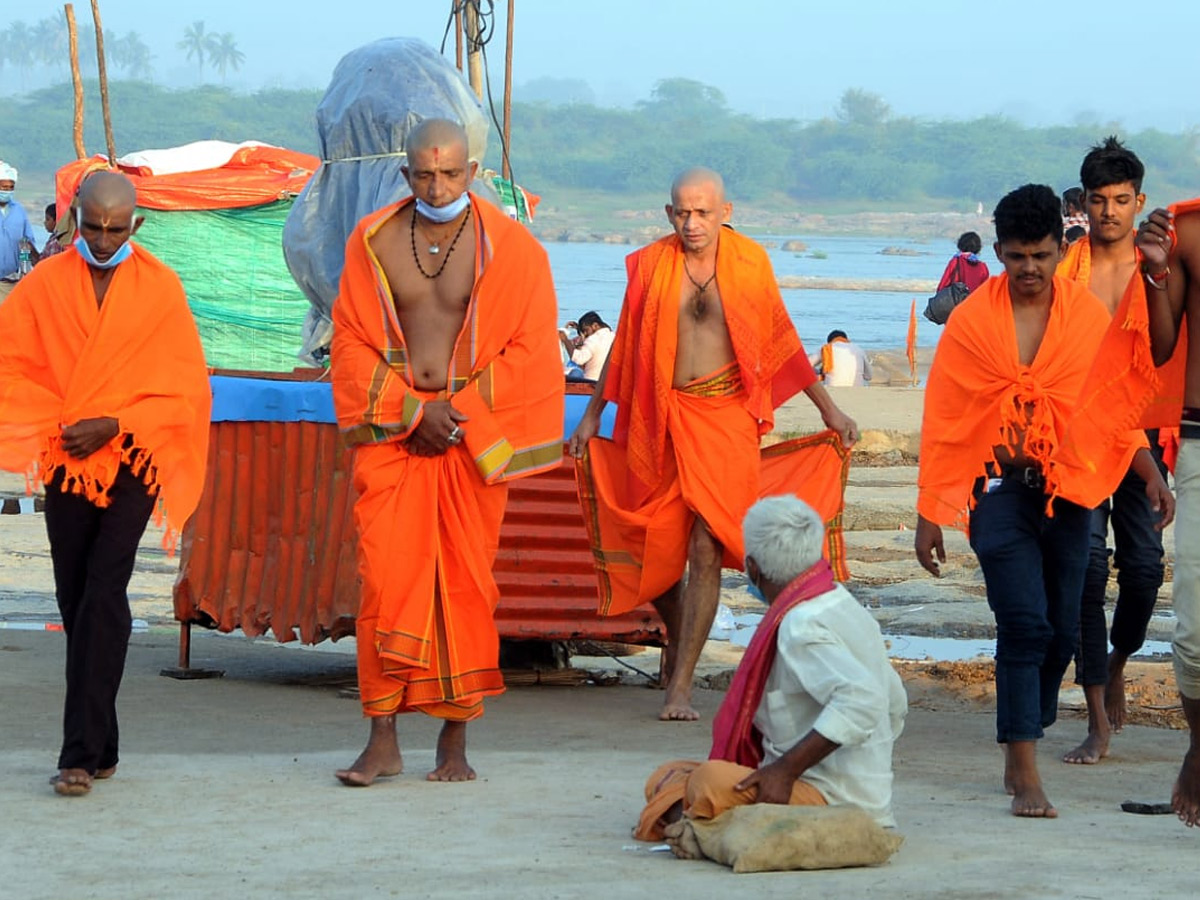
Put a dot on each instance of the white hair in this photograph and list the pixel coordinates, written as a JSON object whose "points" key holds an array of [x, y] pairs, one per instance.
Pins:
{"points": [[784, 535]]}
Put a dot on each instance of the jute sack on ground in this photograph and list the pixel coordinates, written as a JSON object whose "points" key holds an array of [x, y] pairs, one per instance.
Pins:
{"points": [[766, 837]]}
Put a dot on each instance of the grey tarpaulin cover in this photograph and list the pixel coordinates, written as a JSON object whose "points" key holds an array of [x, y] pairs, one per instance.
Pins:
{"points": [[378, 93]]}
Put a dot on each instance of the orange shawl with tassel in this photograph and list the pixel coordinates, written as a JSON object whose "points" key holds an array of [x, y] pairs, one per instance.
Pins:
{"points": [[429, 526], [136, 358], [979, 396]]}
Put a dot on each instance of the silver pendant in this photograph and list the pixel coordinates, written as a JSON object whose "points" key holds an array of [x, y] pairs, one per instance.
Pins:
{"points": [[434, 249]]}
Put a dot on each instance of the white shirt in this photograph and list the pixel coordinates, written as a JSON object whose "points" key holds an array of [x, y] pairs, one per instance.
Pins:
{"points": [[831, 673], [594, 352], [851, 368]]}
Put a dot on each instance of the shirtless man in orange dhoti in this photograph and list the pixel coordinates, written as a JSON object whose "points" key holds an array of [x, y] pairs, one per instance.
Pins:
{"points": [[704, 353], [448, 384]]}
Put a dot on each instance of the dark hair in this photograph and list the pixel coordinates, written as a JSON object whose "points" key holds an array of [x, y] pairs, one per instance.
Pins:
{"points": [[1029, 214], [1072, 201], [836, 334], [591, 318], [1111, 162], [1074, 233], [969, 242], [52, 210]]}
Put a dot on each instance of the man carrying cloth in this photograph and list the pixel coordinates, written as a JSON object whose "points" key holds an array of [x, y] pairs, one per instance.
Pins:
{"points": [[446, 381], [704, 353], [103, 386], [1107, 262], [1003, 388], [814, 707], [1170, 245]]}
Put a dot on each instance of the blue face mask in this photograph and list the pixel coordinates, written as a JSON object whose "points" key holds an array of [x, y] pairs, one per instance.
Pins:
{"points": [[6, 196], [756, 593], [443, 214], [123, 253]]}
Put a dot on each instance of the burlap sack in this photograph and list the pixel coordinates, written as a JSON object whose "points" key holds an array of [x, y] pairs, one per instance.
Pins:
{"points": [[766, 837]]}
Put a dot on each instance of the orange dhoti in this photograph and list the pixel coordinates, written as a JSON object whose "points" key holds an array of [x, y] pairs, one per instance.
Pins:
{"points": [[429, 529], [712, 470]]}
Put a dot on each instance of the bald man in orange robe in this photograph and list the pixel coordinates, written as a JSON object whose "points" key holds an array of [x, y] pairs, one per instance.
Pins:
{"points": [[447, 381], [704, 353]]}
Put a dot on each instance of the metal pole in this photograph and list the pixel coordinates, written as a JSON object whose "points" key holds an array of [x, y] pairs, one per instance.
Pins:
{"points": [[76, 80], [505, 166], [103, 72]]}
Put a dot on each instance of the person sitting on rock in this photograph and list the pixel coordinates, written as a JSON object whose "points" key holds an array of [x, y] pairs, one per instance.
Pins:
{"points": [[814, 707]]}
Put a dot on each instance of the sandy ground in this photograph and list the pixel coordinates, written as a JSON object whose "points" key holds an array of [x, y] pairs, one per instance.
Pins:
{"points": [[225, 786]]}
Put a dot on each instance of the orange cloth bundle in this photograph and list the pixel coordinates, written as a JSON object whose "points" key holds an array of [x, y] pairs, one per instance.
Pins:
{"points": [[136, 358], [979, 396], [429, 526]]}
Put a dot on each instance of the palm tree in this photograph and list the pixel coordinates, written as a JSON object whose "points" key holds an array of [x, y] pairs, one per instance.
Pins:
{"points": [[196, 43], [18, 41], [51, 41], [134, 56], [223, 53]]}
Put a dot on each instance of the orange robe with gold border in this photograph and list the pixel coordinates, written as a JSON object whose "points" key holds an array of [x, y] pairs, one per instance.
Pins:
{"points": [[682, 453], [429, 527]]}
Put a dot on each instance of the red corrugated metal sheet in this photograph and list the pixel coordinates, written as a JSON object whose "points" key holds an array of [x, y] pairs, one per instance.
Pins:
{"points": [[272, 546]]}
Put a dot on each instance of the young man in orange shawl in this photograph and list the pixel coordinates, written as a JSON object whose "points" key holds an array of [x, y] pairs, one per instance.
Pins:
{"points": [[1107, 262], [103, 387], [1170, 246], [814, 707], [704, 353], [1004, 387], [447, 382]]}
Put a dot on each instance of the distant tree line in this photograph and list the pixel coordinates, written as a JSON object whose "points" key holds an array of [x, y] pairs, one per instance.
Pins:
{"points": [[862, 155]]}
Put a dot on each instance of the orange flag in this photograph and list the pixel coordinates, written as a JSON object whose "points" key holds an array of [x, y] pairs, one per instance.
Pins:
{"points": [[911, 346]]}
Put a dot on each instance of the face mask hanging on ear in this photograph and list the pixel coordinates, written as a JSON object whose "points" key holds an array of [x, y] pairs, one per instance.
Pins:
{"points": [[443, 214], [123, 253]]}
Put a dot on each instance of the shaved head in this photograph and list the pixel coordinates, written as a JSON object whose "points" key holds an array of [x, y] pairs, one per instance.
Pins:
{"points": [[439, 133], [698, 176], [108, 190]]}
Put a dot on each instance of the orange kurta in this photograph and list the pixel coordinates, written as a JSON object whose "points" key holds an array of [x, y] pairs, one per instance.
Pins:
{"points": [[693, 451], [429, 526], [136, 358], [978, 395]]}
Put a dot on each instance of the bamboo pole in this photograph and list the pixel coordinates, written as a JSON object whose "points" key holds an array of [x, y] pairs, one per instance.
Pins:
{"points": [[506, 167], [474, 51], [76, 80], [102, 69], [458, 34]]}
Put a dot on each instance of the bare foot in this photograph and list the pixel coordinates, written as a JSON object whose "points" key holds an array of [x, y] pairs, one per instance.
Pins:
{"points": [[1032, 803], [1185, 796], [1008, 779], [1114, 696], [452, 762], [677, 707], [107, 772], [379, 759], [682, 838], [1093, 749], [1029, 800], [72, 782]]}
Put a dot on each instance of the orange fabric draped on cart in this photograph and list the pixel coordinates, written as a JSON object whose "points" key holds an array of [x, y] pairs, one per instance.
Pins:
{"points": [[429, 526], [678, 453], [136, 358]]}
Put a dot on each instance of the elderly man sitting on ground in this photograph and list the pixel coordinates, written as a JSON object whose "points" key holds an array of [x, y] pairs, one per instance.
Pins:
{"points": [[814, 707]]}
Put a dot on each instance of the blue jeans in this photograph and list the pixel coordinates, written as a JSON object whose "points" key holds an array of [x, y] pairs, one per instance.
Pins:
{"points": [[1139, 562], [1033, 566]]}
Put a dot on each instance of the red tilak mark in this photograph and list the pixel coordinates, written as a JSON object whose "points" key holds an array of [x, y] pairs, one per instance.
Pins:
{"points": [[436, 154]]}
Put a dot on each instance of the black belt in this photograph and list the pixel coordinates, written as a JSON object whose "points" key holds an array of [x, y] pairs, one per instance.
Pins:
{"points": [[1189, 429], [1030, 476]]}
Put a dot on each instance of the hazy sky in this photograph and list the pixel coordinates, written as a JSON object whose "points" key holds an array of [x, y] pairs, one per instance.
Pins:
{"points": [[1038, 62]]}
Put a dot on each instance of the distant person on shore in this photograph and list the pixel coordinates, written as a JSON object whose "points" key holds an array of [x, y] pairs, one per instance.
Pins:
{"points": [[1073, 212], [965, 266], [589, 349], [842, 363], [446, 386], [105, 388], [1001, 398], [52, 245], [1107, 262], [1170, 247], [16, 231], [704, 352], [815, 706]]}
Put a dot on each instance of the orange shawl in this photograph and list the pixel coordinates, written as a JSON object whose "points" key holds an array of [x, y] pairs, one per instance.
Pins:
{"points": [[827, 355], [506, 373], [977, 391], [641, 364], [136, 358]]}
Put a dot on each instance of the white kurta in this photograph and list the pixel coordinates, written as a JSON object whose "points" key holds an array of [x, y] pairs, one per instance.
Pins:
{"points": [[832, 674]]}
